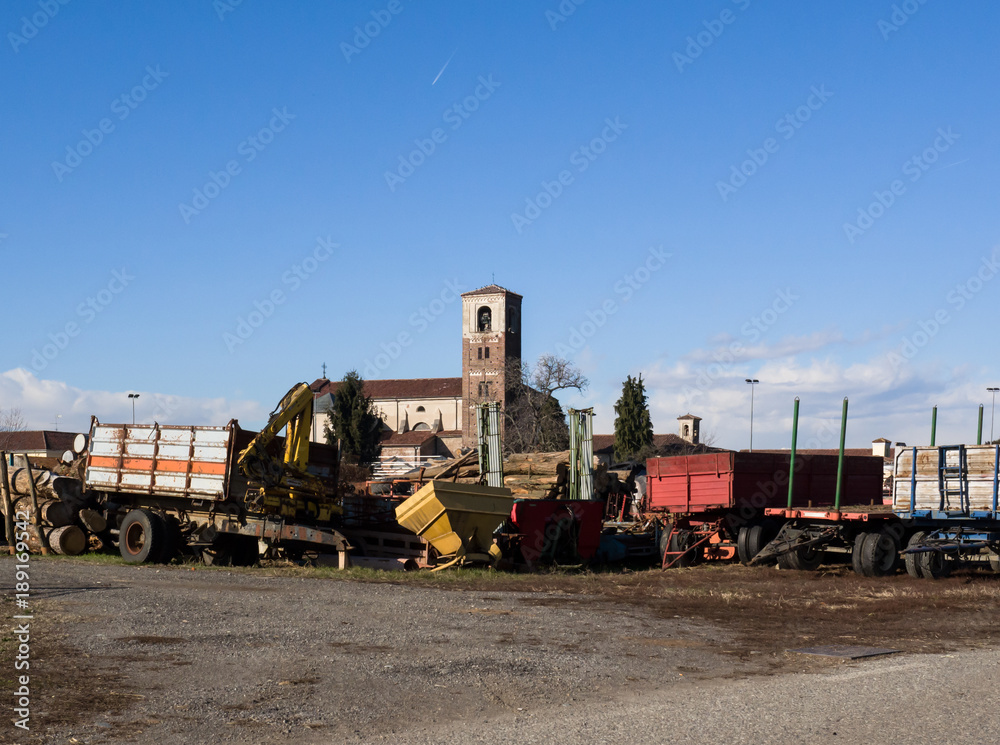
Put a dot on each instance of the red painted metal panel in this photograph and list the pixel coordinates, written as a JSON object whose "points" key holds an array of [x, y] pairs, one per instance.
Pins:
{"points": [[541, 522], [724, 481]]}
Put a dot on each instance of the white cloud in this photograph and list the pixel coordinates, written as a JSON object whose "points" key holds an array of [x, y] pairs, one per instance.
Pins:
{"points": [[885, 401], [42, 401], [784, 347]]}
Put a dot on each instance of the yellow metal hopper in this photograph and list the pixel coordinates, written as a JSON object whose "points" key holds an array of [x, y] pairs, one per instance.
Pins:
{"points": [[458, 520]]}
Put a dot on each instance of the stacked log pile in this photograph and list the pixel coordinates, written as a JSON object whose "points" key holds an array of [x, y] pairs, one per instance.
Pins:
{"points": [[532, 475], [63, 520]]}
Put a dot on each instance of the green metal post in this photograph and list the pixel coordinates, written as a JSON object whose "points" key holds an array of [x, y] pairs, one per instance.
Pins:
{"points": [[791, 462], [574, 466], [840, 457], [979, 435], [933, 426]]}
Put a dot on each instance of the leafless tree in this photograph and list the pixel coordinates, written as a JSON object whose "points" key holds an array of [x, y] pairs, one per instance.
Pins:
{"points": [[533, 419], [11, 420]]}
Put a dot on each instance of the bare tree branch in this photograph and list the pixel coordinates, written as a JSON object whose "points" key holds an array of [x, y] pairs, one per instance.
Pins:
{"points": [[533, 419], [11, 420]]}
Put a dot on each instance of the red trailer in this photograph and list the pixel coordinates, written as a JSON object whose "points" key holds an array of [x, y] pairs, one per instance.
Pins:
{"points": [[713, 504]]}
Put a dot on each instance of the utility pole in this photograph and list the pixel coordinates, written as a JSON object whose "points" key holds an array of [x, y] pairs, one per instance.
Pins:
{"points": [[753, 382]]}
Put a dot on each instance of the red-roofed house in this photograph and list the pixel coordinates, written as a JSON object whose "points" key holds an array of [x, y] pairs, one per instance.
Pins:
{"points": [[43, 443]]}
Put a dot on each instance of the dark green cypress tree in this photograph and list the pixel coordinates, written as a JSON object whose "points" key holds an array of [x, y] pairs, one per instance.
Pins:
{"points": [[355, 421], [633, 428]]}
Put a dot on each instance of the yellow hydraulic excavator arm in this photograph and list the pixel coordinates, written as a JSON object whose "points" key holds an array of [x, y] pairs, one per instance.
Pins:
{"points": [[294, 411]]}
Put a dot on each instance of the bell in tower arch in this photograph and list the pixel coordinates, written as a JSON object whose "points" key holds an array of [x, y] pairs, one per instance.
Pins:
{"points": [[485, 319]]}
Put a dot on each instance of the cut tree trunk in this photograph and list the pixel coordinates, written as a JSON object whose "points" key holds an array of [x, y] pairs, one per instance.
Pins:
{"points": [[93, 521]]}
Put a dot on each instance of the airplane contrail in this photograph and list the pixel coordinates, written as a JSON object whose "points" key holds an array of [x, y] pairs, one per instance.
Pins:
{"points": [[957, 163], [443, 68]]}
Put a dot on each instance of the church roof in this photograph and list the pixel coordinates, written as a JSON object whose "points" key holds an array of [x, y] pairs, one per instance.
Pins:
{"points": [[490, 290], [408, 388], [408, 439]]}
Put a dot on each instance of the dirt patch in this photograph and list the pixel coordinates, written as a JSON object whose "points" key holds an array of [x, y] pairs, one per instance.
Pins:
{"points": [[67, 688], [362, 660]]}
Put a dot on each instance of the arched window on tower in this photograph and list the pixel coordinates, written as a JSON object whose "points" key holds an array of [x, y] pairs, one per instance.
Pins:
{"points": [[687, 431], [484, 319]]}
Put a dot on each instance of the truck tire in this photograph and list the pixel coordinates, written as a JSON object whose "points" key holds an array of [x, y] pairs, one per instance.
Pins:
{"points": [[232, 551], [749, 542], [805, 559], [912, 567], [664, 543], [681, 540], [878, 554], [934, 565], [856, 553], [141, 537], [995, 562], [172, 539], [245, 552]]}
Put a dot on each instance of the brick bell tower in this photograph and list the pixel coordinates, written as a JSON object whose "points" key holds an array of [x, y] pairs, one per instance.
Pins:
{"points": [[491, 342]]}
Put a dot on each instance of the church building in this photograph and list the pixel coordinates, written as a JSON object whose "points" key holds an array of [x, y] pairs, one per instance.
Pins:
{"points": [[426, 417]]}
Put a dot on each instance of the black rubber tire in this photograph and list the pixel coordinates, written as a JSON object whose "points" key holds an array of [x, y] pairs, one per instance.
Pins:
{"points": [[934, 565], [749, 542], [995, 562], [141, 537], [680, 541], [244, 551], [857, 551], [172, 539], [879, 553], [804, 559], [664, 544], [911, 560]]}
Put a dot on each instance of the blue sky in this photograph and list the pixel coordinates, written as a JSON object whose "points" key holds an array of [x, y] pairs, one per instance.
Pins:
{"points": [[205, 201]]}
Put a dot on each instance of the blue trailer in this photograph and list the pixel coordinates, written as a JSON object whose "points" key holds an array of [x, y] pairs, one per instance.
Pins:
{"points": [[947, 497]]}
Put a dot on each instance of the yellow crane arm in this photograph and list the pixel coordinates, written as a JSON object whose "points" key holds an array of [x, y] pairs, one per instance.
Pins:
{"points": [[295, 412]]}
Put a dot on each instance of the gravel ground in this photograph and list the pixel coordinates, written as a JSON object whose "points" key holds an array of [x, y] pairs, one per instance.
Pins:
{"points": [[163, 654], [124, 654]]}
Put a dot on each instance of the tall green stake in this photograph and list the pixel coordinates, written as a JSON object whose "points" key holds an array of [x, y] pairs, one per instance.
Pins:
{"points": [[791, 461], [840, 457], [933, 426], [979, 435]]}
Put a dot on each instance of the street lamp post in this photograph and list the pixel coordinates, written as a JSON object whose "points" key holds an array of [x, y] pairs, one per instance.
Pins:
{"points": [[133, 396], [992, 408], [752, 382]]}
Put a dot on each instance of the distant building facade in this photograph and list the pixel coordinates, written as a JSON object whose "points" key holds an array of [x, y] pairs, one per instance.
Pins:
{"points": [[436, 416]]}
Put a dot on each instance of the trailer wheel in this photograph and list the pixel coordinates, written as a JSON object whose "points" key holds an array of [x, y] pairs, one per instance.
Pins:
{"points": [[244, 551], [664, 543], [805, 559], [172, 539], [749, 542], [681, 540], [232, 551], [141, 537], [995, 562], [933, 565], [857, 551], [878, 554], [912, 567]]}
